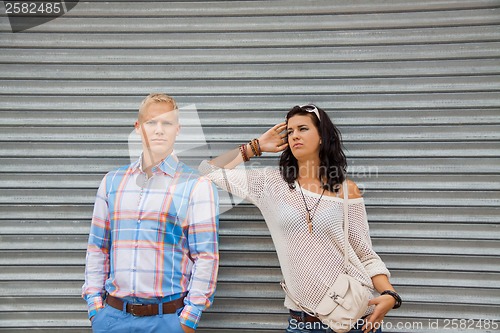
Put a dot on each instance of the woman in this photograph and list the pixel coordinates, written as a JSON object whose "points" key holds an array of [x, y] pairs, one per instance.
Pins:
{"points": [[302, 206]]}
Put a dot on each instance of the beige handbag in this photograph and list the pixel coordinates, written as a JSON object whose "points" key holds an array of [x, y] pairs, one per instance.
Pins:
{"points": [[346, 300]]}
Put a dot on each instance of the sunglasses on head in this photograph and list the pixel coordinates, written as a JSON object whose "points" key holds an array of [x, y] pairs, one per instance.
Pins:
{"points": [[311, 108]]}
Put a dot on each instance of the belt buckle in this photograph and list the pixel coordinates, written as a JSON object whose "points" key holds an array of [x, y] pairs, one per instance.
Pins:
{"points": [[133, 311]]}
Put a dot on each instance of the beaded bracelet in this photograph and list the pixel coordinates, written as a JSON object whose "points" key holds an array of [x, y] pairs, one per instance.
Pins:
{"points": [[395, 295], [243, 150]]}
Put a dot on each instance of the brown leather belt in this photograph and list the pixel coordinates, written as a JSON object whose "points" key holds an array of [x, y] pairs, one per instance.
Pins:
{"points": [[142, 310], [303, 317]]}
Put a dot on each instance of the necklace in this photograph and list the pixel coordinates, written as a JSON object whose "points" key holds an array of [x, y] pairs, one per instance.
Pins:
{"points": [[309, 217]]}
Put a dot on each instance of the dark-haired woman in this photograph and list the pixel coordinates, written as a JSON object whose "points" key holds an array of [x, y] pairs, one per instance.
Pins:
{"points": [[302, 205]]}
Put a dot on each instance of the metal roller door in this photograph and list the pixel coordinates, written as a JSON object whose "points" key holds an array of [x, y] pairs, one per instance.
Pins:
{"points": [[413, 85]]}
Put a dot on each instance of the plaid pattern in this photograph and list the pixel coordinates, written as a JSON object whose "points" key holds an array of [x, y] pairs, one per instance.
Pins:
{"points": [[153, 240]]}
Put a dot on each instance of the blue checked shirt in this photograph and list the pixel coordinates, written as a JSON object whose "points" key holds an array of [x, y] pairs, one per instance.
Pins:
{"points": [[154, 240]]}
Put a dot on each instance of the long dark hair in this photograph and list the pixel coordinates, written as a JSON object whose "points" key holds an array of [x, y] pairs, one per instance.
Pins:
{"points": [[333, 166]]}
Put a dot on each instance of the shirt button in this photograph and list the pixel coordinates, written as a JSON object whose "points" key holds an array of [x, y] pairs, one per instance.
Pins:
{"points": [[138, 221]]}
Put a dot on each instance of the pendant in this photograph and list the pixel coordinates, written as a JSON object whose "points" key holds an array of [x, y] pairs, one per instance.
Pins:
{"points": [[309, 222]]}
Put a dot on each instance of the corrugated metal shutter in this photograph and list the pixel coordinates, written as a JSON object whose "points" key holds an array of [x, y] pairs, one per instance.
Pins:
{"points": [[413, 85]]}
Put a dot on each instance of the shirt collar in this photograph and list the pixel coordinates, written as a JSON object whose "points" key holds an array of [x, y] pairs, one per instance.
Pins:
{"points": [[167, 166]]}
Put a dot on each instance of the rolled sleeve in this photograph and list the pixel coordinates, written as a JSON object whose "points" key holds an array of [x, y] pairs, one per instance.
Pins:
{"points": [[190, 316], [94, 304]]}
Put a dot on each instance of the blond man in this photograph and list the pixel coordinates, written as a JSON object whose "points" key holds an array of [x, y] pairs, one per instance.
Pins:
{"points": [[152, 256]]}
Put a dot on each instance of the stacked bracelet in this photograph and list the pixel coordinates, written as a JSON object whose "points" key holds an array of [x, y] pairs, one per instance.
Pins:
{"points": [[254, 150], [255, 145], [243, 150], [258, 146], [395, 295]]}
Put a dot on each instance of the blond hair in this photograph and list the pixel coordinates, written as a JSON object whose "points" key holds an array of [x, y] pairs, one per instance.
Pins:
{"points": [[155, 98]]}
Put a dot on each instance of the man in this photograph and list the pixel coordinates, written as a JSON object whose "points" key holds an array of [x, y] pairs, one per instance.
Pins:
{"points": [[152, 255]]}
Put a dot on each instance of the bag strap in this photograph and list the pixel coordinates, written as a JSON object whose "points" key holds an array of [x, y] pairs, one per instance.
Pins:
{"points": [[346, 223], [287, 292]]}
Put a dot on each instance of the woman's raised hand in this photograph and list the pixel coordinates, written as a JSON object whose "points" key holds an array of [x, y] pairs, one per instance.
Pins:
{"points": [[275, 139]]}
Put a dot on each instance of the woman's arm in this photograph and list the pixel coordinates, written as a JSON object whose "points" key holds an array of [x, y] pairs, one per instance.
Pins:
{"points": [[272, 141], [359, 234], [383, 304], [247, 183]]}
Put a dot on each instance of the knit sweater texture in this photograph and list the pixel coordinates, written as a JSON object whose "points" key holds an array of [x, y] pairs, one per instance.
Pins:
{"points": [[310, 262]]}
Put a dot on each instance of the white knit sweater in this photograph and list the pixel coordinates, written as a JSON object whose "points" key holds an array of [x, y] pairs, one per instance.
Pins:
{"points": [[310, 263]]}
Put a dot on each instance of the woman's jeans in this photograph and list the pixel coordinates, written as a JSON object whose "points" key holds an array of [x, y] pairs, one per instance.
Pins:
{"points": [[295, 326]]}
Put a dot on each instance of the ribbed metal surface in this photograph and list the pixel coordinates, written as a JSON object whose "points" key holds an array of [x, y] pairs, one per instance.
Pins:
{"points": [[413, 85]]}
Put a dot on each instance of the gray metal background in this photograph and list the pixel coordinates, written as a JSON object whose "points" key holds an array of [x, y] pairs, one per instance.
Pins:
{"points": [[413, 85]]}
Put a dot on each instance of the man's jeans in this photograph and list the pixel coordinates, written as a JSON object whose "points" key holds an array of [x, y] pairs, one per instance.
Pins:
{"points": [[111, 320]]}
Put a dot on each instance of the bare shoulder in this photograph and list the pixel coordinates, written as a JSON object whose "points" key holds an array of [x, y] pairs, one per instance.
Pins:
{"points": [[352, 188]]}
